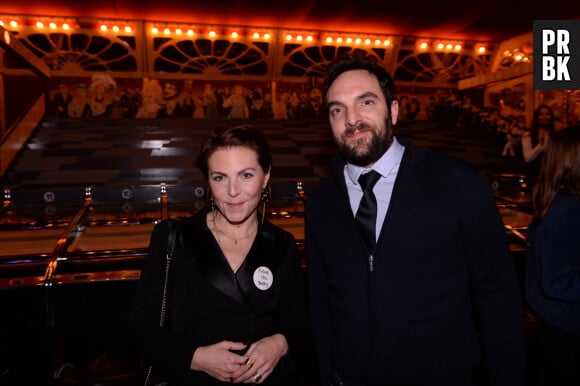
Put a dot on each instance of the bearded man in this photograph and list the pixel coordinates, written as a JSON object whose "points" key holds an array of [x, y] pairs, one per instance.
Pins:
{"points": [[411, 280]]}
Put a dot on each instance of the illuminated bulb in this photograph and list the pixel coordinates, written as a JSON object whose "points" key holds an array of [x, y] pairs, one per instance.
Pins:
{"points": [[256, 35], [116, 28], [518, 57], [212, 34], [288, 37], [39, 24], [52, 25], [423, 45], [329, 39], [65, 26], [387, 43], [309, 38], [349, 40], [457, 47], [1, 23], [339, 40], [190, 32], [166, 31], [440, 46], [358, 40], [155, 30], [367, 41], [377, 42], [449, 46], [13, 23], [299, 38], [481, 50], [178, 31], [267, 36], [103, 27], [234, 35], [128, 29]]}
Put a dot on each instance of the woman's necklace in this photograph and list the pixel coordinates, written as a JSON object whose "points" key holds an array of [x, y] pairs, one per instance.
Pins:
{"points": [[234, 239]]}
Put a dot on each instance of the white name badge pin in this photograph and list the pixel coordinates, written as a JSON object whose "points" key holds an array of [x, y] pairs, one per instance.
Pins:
{"points": [[263, 278]]}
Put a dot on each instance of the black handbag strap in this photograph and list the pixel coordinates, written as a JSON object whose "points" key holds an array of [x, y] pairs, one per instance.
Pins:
{"points": [[168, 256]]}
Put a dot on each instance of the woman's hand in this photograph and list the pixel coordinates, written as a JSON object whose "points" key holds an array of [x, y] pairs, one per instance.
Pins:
{"points": [[218, 360], [261, 359], [544, 141]]}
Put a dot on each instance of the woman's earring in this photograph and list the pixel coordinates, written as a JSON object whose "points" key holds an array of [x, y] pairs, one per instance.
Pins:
{"points": [[265, 197], [212, 204]]}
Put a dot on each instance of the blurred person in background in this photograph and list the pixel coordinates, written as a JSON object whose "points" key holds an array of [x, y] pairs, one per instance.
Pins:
{"points": [[553, 265]]}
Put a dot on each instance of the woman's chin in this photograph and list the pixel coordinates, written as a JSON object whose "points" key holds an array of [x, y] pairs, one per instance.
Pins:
{"points": [[237, 217]]}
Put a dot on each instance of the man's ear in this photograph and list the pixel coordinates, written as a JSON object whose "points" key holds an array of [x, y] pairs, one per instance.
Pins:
{"points": [[394, 111]]}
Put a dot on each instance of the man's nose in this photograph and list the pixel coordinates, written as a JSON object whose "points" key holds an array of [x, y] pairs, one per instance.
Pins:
{"points": [[353, 118]]}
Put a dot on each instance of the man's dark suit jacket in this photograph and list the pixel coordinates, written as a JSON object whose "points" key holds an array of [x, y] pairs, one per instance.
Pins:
{"points": [[443, 280]]}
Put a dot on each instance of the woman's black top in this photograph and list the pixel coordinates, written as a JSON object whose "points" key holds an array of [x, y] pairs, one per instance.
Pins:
{"points": [[208, 302]]}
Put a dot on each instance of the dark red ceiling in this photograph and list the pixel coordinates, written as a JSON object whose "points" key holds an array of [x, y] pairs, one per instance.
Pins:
{"points": [[487, 20]]}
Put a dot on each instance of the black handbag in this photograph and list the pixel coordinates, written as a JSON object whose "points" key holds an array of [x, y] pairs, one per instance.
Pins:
{"points": [[168, 256]]}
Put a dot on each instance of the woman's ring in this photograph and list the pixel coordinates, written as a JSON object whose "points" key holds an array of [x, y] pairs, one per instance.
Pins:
{"points": [[257, 377]]}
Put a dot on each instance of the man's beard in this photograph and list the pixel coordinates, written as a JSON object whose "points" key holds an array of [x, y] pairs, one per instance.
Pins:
{"points": [[380, 142]]}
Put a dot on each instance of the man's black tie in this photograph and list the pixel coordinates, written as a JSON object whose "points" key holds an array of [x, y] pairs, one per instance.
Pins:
{"points": [[366, 215]]}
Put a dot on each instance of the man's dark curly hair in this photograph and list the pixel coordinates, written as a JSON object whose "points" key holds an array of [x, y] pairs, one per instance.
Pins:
{"points": [[360, 61]]}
